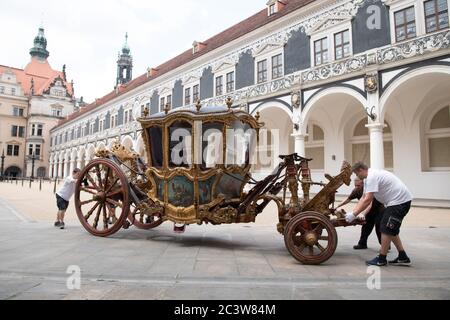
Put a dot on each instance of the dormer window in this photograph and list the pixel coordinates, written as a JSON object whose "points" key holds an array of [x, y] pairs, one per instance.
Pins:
{"points": [[197, 47], [271, 9], [274, 6]]}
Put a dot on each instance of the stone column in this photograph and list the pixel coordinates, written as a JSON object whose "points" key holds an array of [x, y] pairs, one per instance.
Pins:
{"points": [[51, 170], [71, 167], [299, 143], [61, 169], [376, 145]]}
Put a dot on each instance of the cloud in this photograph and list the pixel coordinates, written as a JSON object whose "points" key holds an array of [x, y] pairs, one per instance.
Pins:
{"points": [[87, 35]]}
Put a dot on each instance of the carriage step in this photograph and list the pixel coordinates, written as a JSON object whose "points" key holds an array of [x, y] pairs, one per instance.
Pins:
{"points": [[179, 229]]}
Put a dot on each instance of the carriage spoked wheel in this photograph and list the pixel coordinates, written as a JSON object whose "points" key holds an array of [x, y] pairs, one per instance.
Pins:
{"points": [[143, 220], [310, 238], [102, 198]]}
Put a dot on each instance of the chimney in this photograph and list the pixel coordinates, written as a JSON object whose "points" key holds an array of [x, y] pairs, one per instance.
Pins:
{"points": [[197, 47]]}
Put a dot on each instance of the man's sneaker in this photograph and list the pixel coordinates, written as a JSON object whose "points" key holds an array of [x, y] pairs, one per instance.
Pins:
{"points": [[57, 224], [400, 262], [62, 225], [360, 247], [377, 262]]}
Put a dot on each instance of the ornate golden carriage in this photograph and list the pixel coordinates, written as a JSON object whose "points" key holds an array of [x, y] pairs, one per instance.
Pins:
{"points": [[198, 171]]}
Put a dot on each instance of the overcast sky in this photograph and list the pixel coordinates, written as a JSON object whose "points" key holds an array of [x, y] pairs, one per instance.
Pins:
{"points": [[86, 35]]}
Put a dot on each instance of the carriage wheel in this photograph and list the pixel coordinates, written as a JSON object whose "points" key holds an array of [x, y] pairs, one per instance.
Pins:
{"points": [[310, 238], [102, 198], [142, 220]]}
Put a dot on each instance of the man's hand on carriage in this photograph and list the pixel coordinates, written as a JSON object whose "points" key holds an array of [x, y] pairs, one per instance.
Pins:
{"points": [[350, 217]]}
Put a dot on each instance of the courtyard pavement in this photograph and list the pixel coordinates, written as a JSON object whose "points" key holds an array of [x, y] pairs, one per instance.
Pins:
{"points": [[230, 262]]}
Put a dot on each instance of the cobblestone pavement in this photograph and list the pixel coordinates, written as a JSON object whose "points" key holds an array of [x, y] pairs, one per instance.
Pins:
{"points": [[207, 262]]}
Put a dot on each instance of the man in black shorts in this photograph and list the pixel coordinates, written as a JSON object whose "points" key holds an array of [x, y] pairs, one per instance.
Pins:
{"points": [[372, 215], [63, 196], [392, 192]]}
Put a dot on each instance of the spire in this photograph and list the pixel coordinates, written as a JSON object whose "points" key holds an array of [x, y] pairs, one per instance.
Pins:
{"points": [[124, 64], [126, 48], [40, 45]]}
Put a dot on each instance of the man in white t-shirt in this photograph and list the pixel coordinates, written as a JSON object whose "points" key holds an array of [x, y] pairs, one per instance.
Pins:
{"points": [[392, 192], [63, 197]]}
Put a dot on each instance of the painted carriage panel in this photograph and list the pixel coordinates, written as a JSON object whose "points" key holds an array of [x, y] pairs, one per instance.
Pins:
{"points": [[181, 192], [205, 189]]}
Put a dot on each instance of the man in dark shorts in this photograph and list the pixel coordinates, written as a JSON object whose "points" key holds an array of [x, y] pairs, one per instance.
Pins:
{"points": [[392, 192], [372, 215], [63, 197]]}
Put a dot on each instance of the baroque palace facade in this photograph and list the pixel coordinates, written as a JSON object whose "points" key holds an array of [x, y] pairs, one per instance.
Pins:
{"points": [[32, 102], [349, 79]]}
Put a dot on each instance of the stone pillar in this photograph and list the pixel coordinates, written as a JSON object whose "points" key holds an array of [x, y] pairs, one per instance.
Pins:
{"points": [[71, 167], [376, 145], [299, 144], [61, 169], [51, 169], [79, 164]]}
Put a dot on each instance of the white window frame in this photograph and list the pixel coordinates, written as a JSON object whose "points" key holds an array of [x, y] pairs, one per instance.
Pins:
{"points": [[128, 115], [434, 133], [419, 9], [101, 124], [166, 92], [191, 83], [114, 120], [267, 55], [422, 5], [222, 72], [329, 35]]}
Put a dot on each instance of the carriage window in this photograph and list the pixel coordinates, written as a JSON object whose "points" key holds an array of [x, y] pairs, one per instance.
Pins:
{"points": [[180, 145], [241, 141], [156, 150], [212, 145]]}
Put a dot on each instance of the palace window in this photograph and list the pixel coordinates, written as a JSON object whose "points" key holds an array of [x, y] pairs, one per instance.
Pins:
{"points": [[2, 90], [101, 125], [34, 149], [18, 112], [12, 150], [187, 96], [36, 130], [277, 66], [162, 104], [56, 112], [405, 24], [262, 71], [18, 131], [128, 116], [196, 93], [321, 51], [13, 91], [438, 140], [342, 44], [169, 101], [219, 86], [436, 15], [114, 121], [92, 124], [230, 82]]}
